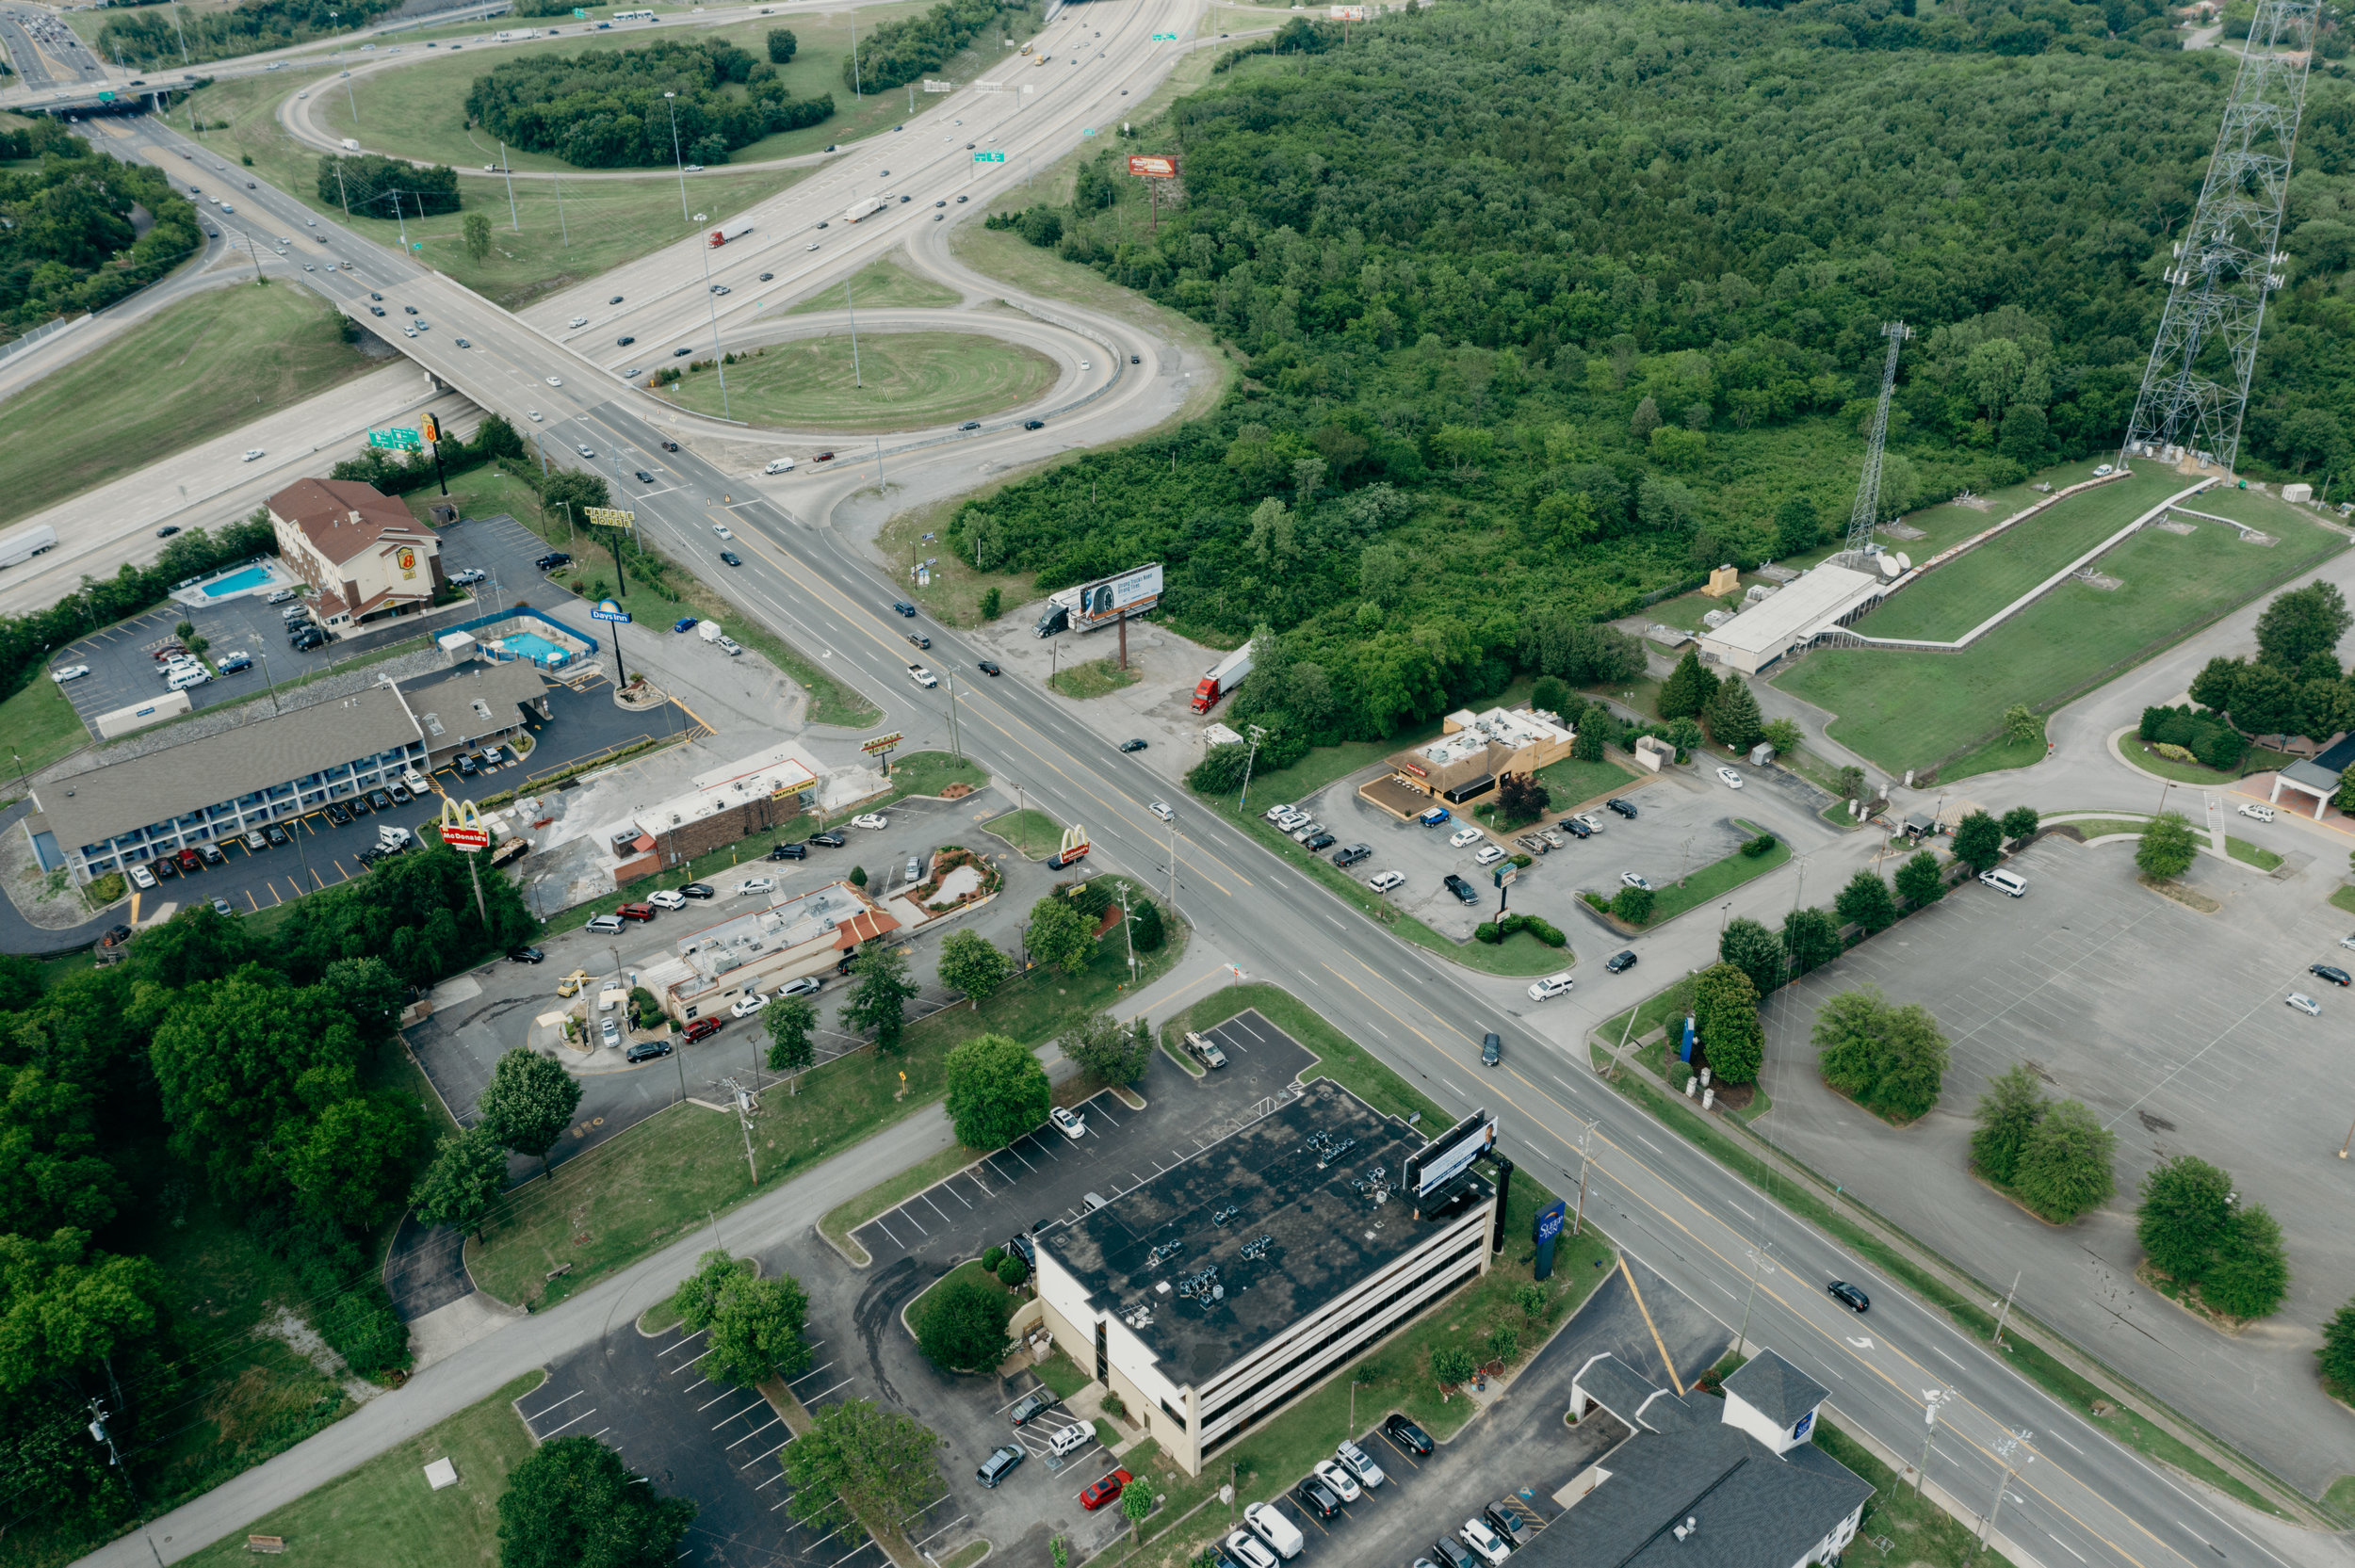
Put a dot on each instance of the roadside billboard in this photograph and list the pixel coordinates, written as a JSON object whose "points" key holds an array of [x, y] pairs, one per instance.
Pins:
{"points": [[1146, 165], [1346, 13], [1449, 1154], [1110, 598]]}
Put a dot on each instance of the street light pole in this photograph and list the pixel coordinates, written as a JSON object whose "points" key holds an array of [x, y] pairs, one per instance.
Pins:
{"points": [[1929, 1425], [712, 302], [514, 223], [679, 158]]}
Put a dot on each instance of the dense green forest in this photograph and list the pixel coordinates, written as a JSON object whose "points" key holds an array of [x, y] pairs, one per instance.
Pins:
{"points": [[900, 52], [373, 184], [1546, 308], [157, 37], [604, 108], [216, 1061], [69, 242]]}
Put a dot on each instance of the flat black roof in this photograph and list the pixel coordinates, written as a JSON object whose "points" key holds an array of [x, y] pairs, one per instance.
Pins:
{"points": [[1269, 1186]]}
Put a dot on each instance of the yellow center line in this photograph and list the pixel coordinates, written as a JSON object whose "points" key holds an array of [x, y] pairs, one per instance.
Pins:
{"points": [[1658, 1343]]}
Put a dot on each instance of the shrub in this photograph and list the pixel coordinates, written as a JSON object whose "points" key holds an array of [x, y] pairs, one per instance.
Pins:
{"points": [[1889, 1059], [1487, 932], [963, 1326], [1633, 904], [992, 1257], [1012, 1271], [2065, 1166], [1453, 1365], [107, 889], [2337, 1354], [1754, 848]]}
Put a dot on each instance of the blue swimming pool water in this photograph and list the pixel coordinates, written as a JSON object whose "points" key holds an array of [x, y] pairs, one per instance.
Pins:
{"points": [[237, 582], [532, 645]]}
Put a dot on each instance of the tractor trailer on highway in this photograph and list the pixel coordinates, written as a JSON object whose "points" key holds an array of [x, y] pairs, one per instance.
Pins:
{"points": [[1224, 677], [736, 229], [26, 543], [866, 207]]}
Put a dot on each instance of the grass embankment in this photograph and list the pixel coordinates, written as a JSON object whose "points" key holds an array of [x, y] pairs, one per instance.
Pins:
{"points": [[885, 285], [1570, 784], [195, 370], [1518, 954], [489, 489], [1811, 1200], [889, 381], [418, 108], [40, 725], [1395, 1374], [1906, 710], [1095, 678], [921, 773], [663, 1178], [384, 1514], [1034, 835], [1947, 603], [603, 225], [2343, 899]]}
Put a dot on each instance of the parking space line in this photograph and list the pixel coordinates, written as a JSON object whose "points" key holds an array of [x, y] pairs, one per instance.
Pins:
{"points": [[1018, 1154], [954, 1193], [708, 1403], [935, 1208], [806, 1376], [895, 1240], [740, 1411], [823, 1391], [583, 1416], [774, 1419], [911, 1219], [565, 1401]]}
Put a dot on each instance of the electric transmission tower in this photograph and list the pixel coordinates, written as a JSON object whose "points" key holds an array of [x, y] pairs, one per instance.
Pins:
{"points": [[1868, 490], [2196, 386]]}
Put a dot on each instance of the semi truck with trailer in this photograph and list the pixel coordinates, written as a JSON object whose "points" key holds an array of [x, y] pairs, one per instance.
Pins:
{"points": [[866, 207], [1224, 677], [24, 543], [734, 229]]}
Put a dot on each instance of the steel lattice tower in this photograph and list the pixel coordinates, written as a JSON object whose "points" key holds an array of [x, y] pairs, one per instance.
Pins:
{"points": [[1868, 490], [2196, 386]]}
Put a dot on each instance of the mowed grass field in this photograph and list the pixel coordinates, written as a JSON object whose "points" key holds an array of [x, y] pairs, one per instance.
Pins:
{"points": [[1947, 603], [197, 369], [601, 224], [1913, 710], [884, 285], [903, 380], [418, 110], [386, 1515], [40, 724]]}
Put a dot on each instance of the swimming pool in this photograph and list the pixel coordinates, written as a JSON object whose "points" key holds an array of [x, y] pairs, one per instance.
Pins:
{"points": [[237, 582], [538, 649]]}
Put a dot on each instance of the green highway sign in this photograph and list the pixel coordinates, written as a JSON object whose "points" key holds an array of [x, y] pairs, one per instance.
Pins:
{"points": [[394, 440], [105, 96], [989, 157], [1087, 130], [1164, 37], [578, 11]]}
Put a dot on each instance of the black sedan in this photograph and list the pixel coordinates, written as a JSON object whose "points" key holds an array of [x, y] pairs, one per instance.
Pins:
{"points": [[647, 1050], [1034, 423], [276, 834], [644, 478], [1132, 745], [526, 955], [1625, 808], [989, 668], [336, 814], [1407, 1435], [829, 839], [1322, 841], [624, 342], [1849, 1295], [2328, 972], [1491, 1049], [1576, 828], [699, 890], [731, 557]]}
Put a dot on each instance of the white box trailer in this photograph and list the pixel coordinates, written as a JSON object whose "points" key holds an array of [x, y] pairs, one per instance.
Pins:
{"points": [[734, 229], [22, 544]]}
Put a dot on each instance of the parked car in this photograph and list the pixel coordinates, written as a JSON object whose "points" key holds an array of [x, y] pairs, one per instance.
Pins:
{"points": [[748, 1005], [1338, 1480], [646, 1050], [1489, 854], [702, 1029], [1635, 880], [1436, 817], [336, 814], [1625, 808], [2303, 1003], [1463, 890], [871, 820], [1070, 1124], [526, 955], [1732, 779], [1353, 854], [999, 1464], [1382, 882], [605, 925], [1036, 1403], [2330, 972], [829, 839], [1268, 1522], [665, 897], [1360, 1464], [1103, 1490], [276, 834], [752, 886], [1463, 836], [1205, 1050], [1484, 1541], [1318, 841], [808, 985], [1407, 1435], [1244, 1548], [1506, 1518], [141, 877], [1317, 1498]]}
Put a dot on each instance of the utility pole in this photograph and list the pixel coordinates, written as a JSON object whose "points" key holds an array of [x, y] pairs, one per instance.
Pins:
{"points": [[1244, 799], [2008, 1449], [1936, 1398], [2005, 1316], [1759, 1265], [850, 308], [507, 171], [1126, 930], [855, 93], [114, 1457], [559, 212], [744, 1119], [955, 749], [1585, 1161], [679, 158], [342, 191]]}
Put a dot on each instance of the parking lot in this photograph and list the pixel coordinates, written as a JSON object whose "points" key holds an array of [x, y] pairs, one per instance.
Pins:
{"points": [[647, 1397], [123, 669], [1682, 824], [2172, 1026]]}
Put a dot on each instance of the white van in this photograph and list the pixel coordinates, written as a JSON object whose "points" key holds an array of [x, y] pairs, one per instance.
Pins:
{"points": [[2004, 882], [1268, 1522], [779, 465], [188, 678]]}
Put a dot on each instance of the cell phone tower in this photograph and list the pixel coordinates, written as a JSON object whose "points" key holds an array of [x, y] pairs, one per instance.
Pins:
{"points": [[2229, 261], [1868, 490]]}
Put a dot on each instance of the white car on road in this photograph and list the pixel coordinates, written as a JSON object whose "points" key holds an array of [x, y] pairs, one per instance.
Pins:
{"points": [[723, 531], [748, 1006], [556, 380], [1635, 880], [253, 454], [2305, 1004], [667, 897], [1550, 987], [869, 819], [1733, 780], [71, 672], [2252, 810], [1382, 882], [1464, 837], [750, 886], [1160, 809], [1072, 1126]]}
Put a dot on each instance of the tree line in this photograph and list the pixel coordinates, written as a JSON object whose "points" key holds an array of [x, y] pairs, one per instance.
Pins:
{"points": [[68, 242], [153, 38], [900, 52], [373, 185], [214, 1058], [1565, 308], [605, 108]]}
